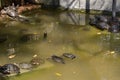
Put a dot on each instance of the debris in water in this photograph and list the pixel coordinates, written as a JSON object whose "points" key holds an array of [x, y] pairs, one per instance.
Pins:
{"points": [[99, 33], [11, 56], [45, 35], [35, 55], [58, 74], [112, 52], [74, 72]]}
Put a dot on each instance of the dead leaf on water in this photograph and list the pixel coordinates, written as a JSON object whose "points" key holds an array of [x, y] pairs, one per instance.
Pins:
{"points": [[11, 56], [112, 52], [99, 33], [58, 74], [35, 55]]}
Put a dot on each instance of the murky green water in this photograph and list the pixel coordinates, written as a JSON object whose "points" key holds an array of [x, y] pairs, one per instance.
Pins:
{"points": [[97, 51]]}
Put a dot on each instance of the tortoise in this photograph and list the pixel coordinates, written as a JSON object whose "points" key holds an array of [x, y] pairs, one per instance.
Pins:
{"points": [[92, 21], [11, 12], [58, 59], [101, 18], [37, 61], [114, 28], [30, 37], [25, 65], [9, 69], [102, 26], [69, 55]]}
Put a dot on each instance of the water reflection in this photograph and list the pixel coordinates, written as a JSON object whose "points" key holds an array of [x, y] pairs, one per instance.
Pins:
{"points": [[73, 18], [77, 19]]}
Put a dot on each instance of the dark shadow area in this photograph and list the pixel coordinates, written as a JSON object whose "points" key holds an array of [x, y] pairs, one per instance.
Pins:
{"points": [[114, 9], [87, 13], [50, 4]]}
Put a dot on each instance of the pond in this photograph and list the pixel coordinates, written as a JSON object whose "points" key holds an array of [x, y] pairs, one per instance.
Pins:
{"points": [[97, 52]]}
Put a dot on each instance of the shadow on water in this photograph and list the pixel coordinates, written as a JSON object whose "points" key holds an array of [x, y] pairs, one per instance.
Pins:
{"points": [[87, 12]]}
